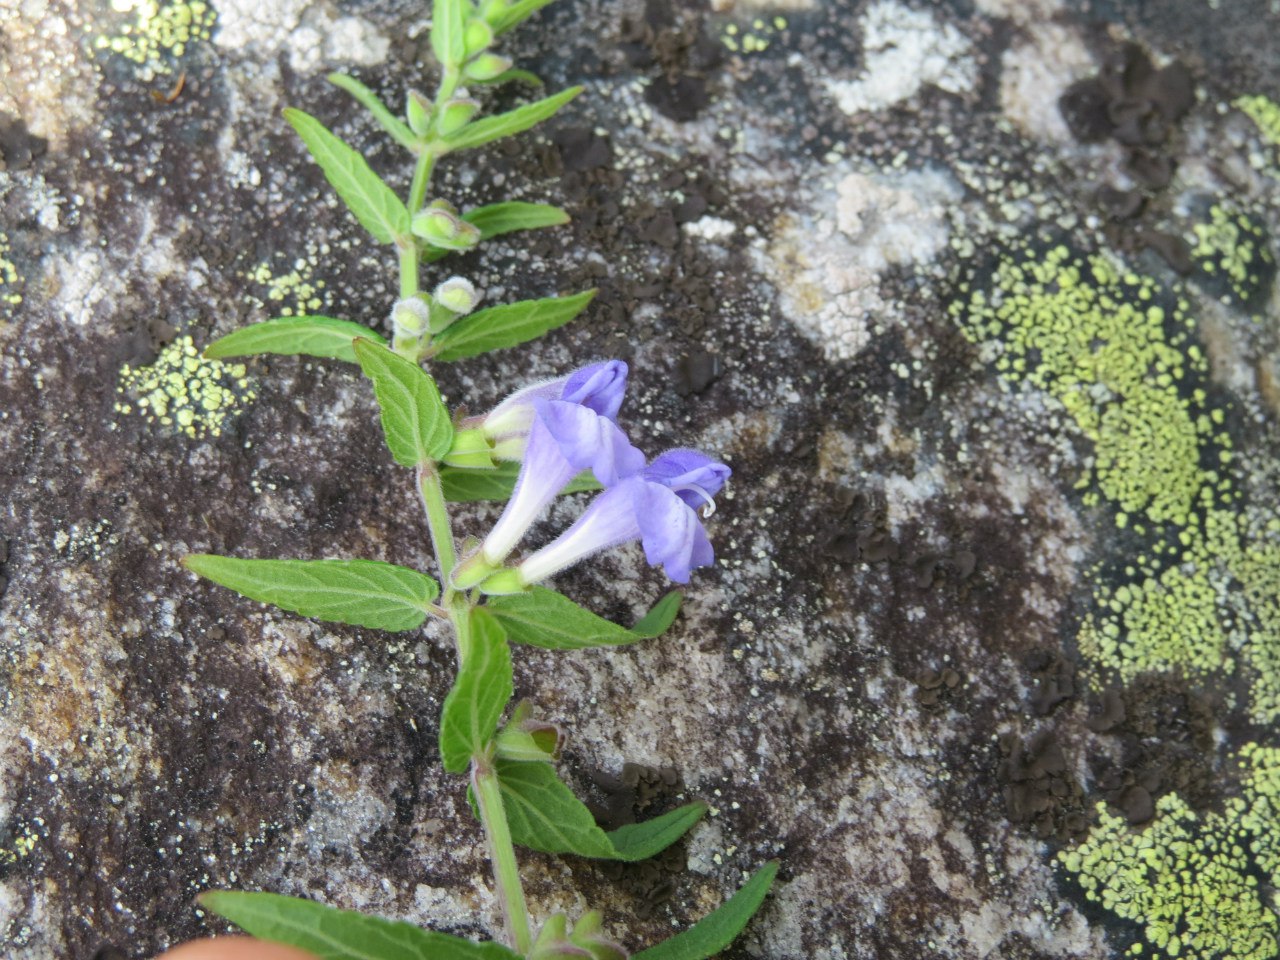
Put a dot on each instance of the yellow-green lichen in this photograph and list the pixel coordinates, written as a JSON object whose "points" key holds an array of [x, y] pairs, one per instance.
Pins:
{"points": [[1234, 250], [185, 390], [290, 292], [10, 281], [156, 34], [756, 39], [1097, 339], [1264, 112], [1186, 880], [1257, 570]]}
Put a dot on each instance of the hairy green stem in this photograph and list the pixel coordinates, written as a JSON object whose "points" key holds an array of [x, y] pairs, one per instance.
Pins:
{"points": [[433, 503], [502, 853]]}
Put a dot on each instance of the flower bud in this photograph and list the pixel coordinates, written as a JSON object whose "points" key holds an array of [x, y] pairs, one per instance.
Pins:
{"points": [[456, 114], [410, 317], [491, 10], [457, 294], [440, 225], [487, 66], [417, 110], [479, 36]]}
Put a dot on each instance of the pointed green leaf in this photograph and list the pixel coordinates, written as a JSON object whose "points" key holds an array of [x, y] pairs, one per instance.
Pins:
{"points": [[332, 934], [499, 218], [374, 204], [545, 618], [414, 418], [506, 124], [367, 98], [517, 13], [313, 336], [507, 325], [719, 928], [513, 75], [367, 593], [544, 815], [481, 692], [660, 616], [466, 485], [639, 841], [448, 32]]}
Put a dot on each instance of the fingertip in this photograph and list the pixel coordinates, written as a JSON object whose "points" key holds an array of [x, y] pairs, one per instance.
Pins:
{"points": [[233, 948]]}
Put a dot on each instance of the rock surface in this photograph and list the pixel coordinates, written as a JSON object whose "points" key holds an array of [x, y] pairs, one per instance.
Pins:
{"points": [[978, 299]]}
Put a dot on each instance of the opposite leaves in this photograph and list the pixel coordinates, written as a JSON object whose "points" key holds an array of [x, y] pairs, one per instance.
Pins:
{"points": [[366, 593], [341, 934], [718, 929], [544, 815], [509, 123], [475, 704], [507, 325], [372, 201], [290, 336], [545, 618], [414, 418]]}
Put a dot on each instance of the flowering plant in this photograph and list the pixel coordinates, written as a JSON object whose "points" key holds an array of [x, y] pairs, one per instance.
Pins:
{"points": [[564, 436]]}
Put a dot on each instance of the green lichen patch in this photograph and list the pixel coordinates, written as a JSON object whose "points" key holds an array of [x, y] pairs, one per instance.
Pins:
{"points": [[290, 292], [1118, 357], [10, 280], [1233, 257], [1188, 882], [1264, 112], [156, 35], [184, 390], [1257, 569]]}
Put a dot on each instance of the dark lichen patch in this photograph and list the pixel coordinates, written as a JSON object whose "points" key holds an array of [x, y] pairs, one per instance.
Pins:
{"points": [[1040, 791]]}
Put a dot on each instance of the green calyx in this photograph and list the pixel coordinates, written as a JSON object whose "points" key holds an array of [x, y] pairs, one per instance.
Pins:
{"points": [[440, 226], [471, 449], [585, 942], [527, 738]]}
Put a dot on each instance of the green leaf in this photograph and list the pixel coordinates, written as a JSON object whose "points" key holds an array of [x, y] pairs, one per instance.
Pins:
{"points": [[509, 76], [313, 336], [718, 929], [467, 485], [367, 98], [509, 123], [374, 204], [545, 618], [499, 218], [367, 593], [660, 616], [475, 704], [517, 13], [448, 32], [414, 418], [639, 841], [544, 815], [332, 934], [507, 325]]}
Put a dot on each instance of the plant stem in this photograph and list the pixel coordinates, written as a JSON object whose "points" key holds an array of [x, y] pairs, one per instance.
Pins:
{"points": [[437, 511], [503, 855]]}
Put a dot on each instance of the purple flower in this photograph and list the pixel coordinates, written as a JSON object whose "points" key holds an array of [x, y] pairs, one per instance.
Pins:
{"points": [[655, 506], [565, 438], [598, 387]]}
